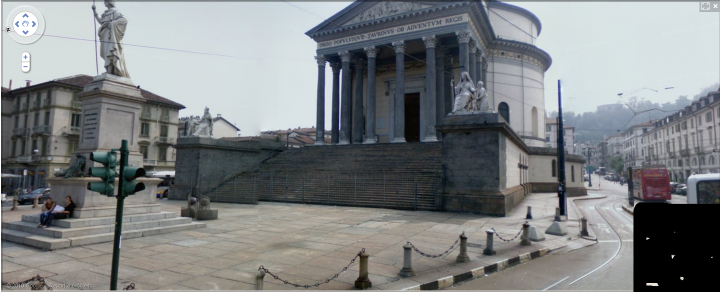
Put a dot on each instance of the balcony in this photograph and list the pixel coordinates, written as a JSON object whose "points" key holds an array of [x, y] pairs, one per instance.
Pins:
{"points": [[145, 116], [671, 154], [16, 108], [699, 150], [165, 140], [42, 130], [46, 103], [24, 107], [24, 159], [685, 152], [74, 130], [165, 119], [19, 132], [36, 104], [149, 162], [76, 104]]}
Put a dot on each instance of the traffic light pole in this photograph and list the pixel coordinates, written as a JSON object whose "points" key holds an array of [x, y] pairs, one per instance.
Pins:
{"points": [[118, 217]]}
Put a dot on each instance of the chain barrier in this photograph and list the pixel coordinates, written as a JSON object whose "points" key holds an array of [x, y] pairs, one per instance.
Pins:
{"points": [[130, 287], [18, 284], [506, 240], [276, 277], [437, 256]]}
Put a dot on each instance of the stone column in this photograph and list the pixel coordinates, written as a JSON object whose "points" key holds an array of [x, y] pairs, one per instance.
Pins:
{"points": [[471, 61], [484, 72], [430, 113], [463, 39], [336, 102], [440, 87], [357, 132], [478, 67], [370, 109], [346, 115], [447, 89], [399, 92], [320, 127]]}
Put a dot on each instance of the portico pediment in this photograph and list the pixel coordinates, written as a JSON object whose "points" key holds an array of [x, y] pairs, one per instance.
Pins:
{"points": [[385, 9]]}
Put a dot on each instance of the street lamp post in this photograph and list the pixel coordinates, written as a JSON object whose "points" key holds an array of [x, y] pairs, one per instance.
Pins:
{"points": [[588, 168]]}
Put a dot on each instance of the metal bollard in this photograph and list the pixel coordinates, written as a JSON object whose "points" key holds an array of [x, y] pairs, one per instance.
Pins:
{"points": [[407, 270], [529, 213], [463, 256], [15, 202], [35, 202], [557, 215], [489, 246], [259, 280], [525, 239], [584, 231], [363, 282]]}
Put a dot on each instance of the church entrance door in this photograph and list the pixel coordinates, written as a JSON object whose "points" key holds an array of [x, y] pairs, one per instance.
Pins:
{"points": [[412, 117]]}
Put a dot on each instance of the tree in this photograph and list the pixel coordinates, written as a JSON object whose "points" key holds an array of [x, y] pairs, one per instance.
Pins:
{"points": [[616, 164]]}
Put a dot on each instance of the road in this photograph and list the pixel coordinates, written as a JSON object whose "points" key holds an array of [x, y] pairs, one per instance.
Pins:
{"points": [[607, 265]]}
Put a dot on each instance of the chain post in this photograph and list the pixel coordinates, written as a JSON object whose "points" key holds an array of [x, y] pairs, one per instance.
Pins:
{"points": [[489, 246], [15, 202], [557, 215], [463, 256], [529, 213], [407, 270], [259, 279], [363, 282], [35, 202], [525, 239], [584, 231]]}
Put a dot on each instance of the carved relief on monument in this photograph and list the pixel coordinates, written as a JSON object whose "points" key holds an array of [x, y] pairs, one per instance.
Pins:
{"points": [[384, 9]]}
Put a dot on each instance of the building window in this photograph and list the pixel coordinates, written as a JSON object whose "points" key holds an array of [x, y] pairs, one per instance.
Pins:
{"points": [[547, 138], [163, 131], [692, 124], [14, 148], [144, 151], [44, 147], [504, 111], [75, 121], [162, 154], [145, 130], [712, 160], [694, 161], [36, 119], [34, 146], [572, 173], [547, 128], [708, 117], [702, 160], [22, 147], [554, 168], [699, 121]]}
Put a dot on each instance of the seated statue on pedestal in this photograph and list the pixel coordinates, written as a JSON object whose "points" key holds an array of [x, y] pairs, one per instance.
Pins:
{"points": [[464, 94]]}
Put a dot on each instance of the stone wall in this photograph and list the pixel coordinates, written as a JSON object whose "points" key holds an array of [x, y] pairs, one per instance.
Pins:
{"points": [[205, 162], [541, 176]]}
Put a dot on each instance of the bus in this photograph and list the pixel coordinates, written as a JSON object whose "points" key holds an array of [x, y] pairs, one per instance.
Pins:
{"points": [[168, 178], [703, 189], [601, 171], [651, 183]]}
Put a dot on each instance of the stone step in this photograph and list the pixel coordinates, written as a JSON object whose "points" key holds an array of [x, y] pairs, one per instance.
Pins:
{"points": [[87, 222], [52, 243], [60, 232]]}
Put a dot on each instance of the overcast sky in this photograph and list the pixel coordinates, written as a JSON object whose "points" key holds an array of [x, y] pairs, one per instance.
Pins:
{"points": [[269, 80]]}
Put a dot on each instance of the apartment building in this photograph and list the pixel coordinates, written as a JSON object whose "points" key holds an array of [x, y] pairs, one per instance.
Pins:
{"points": [[687, 141], [551, 132], [42, 122]]}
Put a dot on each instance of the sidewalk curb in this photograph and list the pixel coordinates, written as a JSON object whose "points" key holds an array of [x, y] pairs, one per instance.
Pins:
{"points": [[628, 210], [448, 281], [591, 198]]}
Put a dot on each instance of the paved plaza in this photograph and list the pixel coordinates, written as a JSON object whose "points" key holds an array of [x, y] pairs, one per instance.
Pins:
{"points": [[303, 244]]}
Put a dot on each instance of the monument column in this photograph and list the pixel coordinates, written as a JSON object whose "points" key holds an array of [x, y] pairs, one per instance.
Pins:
{"points": [[463, 39], [399, 92], [335, 102], [370, 109], [430, 114], [471, 71], [439, 88], [320, 127], [346, 121], [357, 132]]}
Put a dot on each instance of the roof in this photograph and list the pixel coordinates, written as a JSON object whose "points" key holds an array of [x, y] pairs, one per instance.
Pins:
{"points": [[5, 90], [550, 121], [533, 18], [81, 80], [215, 119]]}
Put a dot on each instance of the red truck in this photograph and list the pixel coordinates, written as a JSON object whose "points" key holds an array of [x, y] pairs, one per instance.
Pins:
{"points": [[651, 183]]}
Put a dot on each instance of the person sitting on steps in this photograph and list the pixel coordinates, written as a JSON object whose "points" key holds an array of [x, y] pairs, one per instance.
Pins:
{"points": [[66, 213], [47, 208]]}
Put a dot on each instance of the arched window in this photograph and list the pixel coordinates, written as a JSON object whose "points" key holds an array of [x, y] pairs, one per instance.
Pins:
{"points": [[504, 111], [535, 127], [694, 161], [572, 172], [712, 160], [554, 168], [702, 160]]}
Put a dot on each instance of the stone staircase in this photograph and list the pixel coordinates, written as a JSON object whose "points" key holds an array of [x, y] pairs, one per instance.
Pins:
{"points": [[399, 176], [77, 232]]}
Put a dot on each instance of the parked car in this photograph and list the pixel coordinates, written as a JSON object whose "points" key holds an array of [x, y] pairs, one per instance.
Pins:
{"points": [[673, 187], [162, 192], [681, 189], [586, 177], [42, 194]]}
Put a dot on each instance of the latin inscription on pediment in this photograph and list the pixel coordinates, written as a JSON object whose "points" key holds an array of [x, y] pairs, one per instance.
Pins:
{"points": [[384, 9]]}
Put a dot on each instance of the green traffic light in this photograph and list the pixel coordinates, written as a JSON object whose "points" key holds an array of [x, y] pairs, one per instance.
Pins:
{"points": [[101, 187], [130, 184], [102, 172], [106, 158]]}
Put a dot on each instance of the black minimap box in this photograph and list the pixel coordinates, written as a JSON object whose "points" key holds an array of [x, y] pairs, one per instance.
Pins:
{"points": [[676, 247]]}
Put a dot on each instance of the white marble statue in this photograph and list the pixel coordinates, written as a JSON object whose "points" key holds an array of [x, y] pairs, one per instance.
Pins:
{"points": [[464, 94], [480, 103], [204, 126], [111, 33]]}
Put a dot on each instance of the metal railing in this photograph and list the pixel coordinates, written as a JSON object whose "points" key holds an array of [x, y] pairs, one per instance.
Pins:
{"points": [[24, 159], [166, 140], [24, 106], [150, 162], [43, 129], [165, 118], [414, 191], [699, 150], [685, 152], [36, 104], [145, 115], [46, 102], [19, 131], [74, 130], [76, 104]]}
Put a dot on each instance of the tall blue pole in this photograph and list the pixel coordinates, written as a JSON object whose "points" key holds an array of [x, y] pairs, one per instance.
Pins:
{"points": [[561, 156]]}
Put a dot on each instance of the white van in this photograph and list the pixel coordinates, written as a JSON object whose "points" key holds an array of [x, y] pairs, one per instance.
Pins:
{"points": [[703, 189]]}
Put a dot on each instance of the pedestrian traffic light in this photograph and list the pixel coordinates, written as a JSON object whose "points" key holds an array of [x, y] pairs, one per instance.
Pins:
{"points": [[130, 184], [106, 173]]}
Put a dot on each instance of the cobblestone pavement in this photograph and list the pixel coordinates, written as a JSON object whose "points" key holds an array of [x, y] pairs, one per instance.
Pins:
{"points": [[302, 244]]}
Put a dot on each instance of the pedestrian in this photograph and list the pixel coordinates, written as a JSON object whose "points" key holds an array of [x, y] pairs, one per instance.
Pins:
{"points": [[66, 213], [47, 208]]}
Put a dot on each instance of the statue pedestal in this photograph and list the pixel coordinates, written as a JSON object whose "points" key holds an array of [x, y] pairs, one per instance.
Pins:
{"points": [[111, 107], [480, 153]]}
